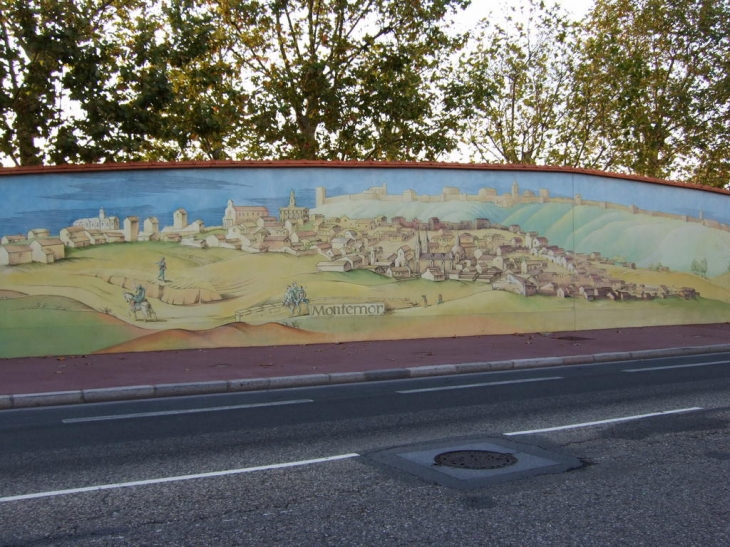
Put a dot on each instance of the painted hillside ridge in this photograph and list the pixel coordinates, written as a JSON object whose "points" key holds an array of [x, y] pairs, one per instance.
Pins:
{"points": [[627, 234], [513, 198], [647, 241]]}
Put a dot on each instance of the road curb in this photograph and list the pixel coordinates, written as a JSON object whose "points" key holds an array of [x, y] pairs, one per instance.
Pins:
{"points": [[108, 394], [540, 362], [97, 395], [53, 398]]}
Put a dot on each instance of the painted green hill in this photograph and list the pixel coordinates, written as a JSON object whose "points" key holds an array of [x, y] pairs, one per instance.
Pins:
{"points": [[56, 325]]}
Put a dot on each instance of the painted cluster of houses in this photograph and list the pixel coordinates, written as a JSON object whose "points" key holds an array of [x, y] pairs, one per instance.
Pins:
{"points": [[35, 246], [38, 245], [250, 228], [506, 257], [295, 231]]}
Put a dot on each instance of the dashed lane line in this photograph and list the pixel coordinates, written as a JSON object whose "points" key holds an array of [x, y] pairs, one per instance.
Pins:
{"points": [[176, 412], [485, 384], [667, 367]]}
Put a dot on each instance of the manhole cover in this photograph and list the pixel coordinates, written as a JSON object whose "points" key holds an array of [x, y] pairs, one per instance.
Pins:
{"points": [[476, 462], [475, 459]]}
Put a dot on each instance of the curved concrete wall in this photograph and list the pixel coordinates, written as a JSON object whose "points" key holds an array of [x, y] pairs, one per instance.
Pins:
{"points": [[159, 256]]}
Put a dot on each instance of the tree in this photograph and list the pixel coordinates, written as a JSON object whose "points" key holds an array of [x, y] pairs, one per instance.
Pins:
{"points": [[205, 115], [522, 70], [652, 89], [55, 59], [121, 80], [32, 50], [343, 79]]}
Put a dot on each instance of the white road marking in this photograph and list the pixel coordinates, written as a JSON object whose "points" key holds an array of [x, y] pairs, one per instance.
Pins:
{"points": [[467, 386], [648, 369], [175, 479], [601, 422], [176, 412]]}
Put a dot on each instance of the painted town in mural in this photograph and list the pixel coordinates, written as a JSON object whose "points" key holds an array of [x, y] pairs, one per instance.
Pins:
{"points": [[180, 259]]}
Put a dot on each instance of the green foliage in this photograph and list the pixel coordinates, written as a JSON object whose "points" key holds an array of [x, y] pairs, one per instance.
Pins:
{"points": [[639, 86], [519, 72], [651, 89], [65, 69], [336, 79], [121, 80]]}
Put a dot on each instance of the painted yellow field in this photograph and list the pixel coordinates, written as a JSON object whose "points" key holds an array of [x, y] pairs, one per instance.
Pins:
{"points": [[96, 278], [241, 280]]}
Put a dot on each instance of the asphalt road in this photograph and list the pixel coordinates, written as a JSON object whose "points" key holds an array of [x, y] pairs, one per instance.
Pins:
{"points": [[300, 466]]}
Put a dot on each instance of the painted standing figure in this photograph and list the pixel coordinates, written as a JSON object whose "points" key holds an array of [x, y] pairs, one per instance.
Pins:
{"points": [[162, 266]]}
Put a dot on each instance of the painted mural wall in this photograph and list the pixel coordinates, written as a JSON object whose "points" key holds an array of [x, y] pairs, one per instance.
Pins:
{"points": [[241, 255]]}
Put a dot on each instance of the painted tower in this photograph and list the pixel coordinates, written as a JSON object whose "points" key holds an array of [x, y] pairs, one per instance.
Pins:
{"points": [[179, 219], [320, 195], [292, 212], [131, 228]]}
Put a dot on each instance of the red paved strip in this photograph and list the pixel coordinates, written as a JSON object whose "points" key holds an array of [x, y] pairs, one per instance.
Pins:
{"points": [[51, 374]]}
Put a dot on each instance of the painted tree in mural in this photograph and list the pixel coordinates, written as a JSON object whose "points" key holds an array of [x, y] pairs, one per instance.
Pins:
{"points": [[699, 267], [653, 86]]}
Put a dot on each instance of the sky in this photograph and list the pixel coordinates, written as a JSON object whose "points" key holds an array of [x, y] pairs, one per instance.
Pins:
{"points": [[59, 199], [480, 9]]}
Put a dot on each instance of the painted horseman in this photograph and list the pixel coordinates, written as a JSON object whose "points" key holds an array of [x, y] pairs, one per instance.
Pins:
{"points": [[138, 303], [140, 295]]}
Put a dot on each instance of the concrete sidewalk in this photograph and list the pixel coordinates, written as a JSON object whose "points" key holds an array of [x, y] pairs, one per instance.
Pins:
{"points": [[42, 381]]}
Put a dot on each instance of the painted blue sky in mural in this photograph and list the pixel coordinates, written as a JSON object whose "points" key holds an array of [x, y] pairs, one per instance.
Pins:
{"points": [[54, 201]]}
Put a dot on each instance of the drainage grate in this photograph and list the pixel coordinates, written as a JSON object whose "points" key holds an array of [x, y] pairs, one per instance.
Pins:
{"points": [[572, 338], [475, 459]]}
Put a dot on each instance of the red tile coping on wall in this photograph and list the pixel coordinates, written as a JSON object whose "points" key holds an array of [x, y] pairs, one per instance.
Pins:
{"points": [[137, 166]]}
